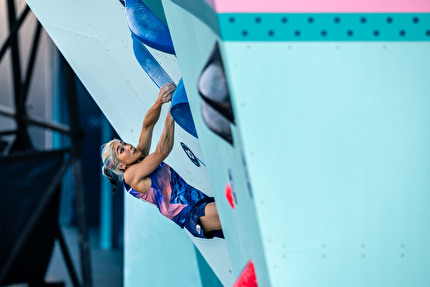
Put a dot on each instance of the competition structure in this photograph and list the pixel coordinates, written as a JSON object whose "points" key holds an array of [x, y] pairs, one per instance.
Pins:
{"points": [[306, 120]]}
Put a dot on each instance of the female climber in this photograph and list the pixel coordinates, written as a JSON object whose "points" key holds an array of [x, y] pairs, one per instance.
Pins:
{"points": [[148, 178]]}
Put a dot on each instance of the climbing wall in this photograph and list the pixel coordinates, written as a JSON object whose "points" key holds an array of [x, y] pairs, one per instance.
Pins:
{"points": [[311, 129], [97, 40], [327, 152]]}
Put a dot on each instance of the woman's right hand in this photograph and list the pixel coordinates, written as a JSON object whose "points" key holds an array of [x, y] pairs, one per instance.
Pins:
{"points": [[165, 94]]}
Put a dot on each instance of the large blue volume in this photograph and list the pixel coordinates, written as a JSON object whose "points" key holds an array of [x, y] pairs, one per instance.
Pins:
{"points": [[180, 110], [147, 27]]}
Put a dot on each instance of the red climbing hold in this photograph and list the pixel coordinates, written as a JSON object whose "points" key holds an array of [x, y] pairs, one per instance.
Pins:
{"points": [[229, 195], [247, 278]]}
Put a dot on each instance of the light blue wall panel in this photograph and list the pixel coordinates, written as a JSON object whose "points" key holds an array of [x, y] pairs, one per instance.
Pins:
{"points": [[336, 136]]}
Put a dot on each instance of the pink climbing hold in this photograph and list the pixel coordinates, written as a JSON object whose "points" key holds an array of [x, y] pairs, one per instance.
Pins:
{"points": [[229, 195], [247, 278]]}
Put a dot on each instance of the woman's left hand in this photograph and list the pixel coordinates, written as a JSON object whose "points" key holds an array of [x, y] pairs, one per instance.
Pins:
{"points": [[165, 94]]}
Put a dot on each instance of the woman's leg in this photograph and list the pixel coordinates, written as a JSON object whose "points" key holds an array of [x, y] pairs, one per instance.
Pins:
{"points": [[210, 222]]}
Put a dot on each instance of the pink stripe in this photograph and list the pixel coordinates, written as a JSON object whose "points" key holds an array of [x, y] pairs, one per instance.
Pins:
{"points": [[320, 6]]}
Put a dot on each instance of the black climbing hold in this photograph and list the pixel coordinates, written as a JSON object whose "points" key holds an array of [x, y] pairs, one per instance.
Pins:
{"points": [[190, 154], [212, 85], [216, 122]]}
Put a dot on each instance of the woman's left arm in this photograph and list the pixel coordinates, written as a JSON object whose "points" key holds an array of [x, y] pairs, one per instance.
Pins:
{"points": [[152, 116]]}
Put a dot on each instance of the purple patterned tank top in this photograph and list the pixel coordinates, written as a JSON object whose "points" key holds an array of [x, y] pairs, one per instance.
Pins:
{"points": [[169, 193]]}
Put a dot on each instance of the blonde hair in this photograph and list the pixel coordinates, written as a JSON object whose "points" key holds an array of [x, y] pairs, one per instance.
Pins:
{"points": [[110, 160]]}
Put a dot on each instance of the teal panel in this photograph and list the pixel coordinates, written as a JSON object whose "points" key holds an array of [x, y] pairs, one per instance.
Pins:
{"points": [[325, 27], [337, 139], [207, 276], [156, 7], [106, 209]]}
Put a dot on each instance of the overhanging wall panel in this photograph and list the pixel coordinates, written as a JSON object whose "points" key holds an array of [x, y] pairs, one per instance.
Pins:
{"points": [[95, 40]]}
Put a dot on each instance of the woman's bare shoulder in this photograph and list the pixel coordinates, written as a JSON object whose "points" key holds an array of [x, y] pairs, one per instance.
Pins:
{"points": [[142, 185]]}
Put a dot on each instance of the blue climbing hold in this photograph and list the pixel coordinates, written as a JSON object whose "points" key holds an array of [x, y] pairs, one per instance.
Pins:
{"points": [[180, 110], [147, 27]]}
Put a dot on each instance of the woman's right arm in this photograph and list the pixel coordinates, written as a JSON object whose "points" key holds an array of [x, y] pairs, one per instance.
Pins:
{"points": [[137, 174]]}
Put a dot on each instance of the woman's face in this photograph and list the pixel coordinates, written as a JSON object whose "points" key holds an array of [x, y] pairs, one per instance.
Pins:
{"points": [[126, 153]]}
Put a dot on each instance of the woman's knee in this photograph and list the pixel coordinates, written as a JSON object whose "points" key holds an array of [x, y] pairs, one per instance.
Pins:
{"points": [[211, 210], [211, 219]]}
